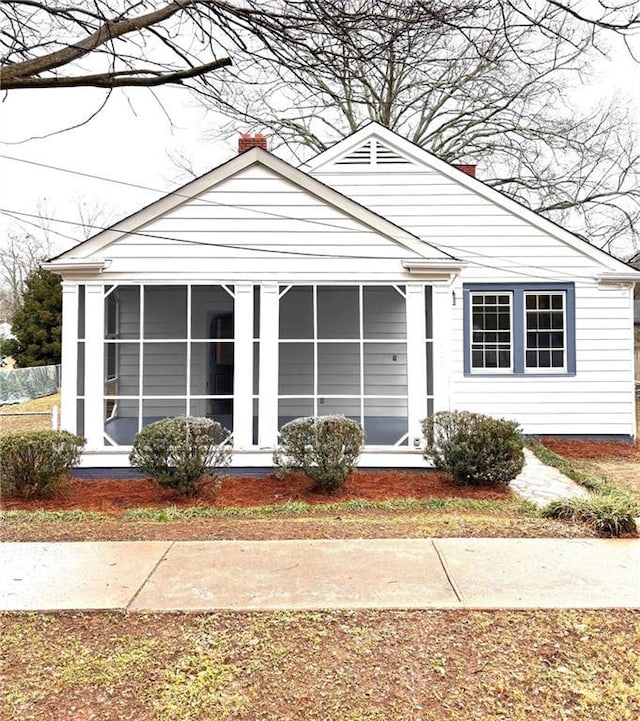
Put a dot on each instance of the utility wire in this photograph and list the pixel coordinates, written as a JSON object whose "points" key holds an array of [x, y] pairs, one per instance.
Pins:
{"points": [[463, 251], [516, 271]]}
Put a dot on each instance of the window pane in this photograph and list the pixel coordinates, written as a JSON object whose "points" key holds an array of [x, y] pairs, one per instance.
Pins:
{"points": [[80, 417], [296, 369], [428, 305], [256, 368], [256, 311], [349, 407], [81, 311], [385, 421], [165, 311], [121, 420], [491, 331], [155, 409], [385, 369], [212, 369], [80, 374], [211, 312], [296, 313], [122, 369], [545, 330], [122, 313], [384, 313], [338, 312], [430, 368], [165, 369], [339, 368], [291, 408]]}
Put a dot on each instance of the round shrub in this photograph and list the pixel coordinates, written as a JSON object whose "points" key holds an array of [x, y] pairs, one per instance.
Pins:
{"points": [[325, 449], [34, 463], [181, 452], [475, 449]]}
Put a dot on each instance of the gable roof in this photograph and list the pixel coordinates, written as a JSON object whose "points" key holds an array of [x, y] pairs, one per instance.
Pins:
{"points": [[376, 147], [208, 181]]}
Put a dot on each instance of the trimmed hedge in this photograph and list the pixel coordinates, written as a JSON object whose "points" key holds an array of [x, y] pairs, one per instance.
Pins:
{"points": [[475, 449], [325, 449], [34, 463], [181, 452]]}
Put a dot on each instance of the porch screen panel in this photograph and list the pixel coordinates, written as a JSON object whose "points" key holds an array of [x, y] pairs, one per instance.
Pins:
{"points": [[355, 362], [385, 421], [122, 312], [296, 376], [385, 313], [165, 369], [179, 360], [211, 312], [338, 313], [339, 368], [296, 313], [165, 311]]}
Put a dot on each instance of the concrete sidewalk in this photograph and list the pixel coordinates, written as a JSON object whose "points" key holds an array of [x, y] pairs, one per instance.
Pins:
{"points": [[321, 574]]}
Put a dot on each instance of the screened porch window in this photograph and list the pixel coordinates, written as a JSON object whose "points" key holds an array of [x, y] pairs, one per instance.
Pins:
{"points": [[343, 350], [168, 351]]}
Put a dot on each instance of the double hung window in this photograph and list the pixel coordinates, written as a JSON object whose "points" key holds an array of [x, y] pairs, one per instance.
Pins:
{"points": [[519, 329]]}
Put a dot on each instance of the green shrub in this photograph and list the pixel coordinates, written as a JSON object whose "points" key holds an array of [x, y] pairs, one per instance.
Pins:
{"points": [[33, 464], [608, 515], [475, 449], [325, 449], [181, 452]]}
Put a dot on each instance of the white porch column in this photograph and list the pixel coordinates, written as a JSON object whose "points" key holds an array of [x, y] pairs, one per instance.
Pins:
{"points": [[416, 362], [442, 340], [243, 367], [69, 371], [268, 379], [94, 367]]}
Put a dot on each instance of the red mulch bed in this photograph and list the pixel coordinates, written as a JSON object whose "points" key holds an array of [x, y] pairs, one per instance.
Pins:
{"points": [[114, 495], [599, 450]]}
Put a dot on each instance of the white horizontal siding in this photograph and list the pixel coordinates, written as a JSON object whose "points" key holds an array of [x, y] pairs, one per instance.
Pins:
{"points": [[599, 399], [463, 223]]}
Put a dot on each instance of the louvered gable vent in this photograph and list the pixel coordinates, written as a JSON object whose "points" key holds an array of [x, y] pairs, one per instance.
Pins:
{"points": [[374, 153]]}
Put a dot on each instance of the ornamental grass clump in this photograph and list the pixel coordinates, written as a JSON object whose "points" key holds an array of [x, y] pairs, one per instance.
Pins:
{"points": [[184, 453], [609, 515], [476, 450], [325, 449], [34, 464]]}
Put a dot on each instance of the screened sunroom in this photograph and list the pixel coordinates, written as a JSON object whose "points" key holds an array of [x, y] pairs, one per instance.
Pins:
{"points": [[253, 357]]}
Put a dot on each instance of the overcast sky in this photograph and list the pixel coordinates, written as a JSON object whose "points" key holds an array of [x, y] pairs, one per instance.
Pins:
{"points": [[128, 140]]}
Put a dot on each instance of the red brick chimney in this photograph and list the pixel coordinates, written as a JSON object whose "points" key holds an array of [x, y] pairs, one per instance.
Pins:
{"points": [[246, 141], [468, 169]]}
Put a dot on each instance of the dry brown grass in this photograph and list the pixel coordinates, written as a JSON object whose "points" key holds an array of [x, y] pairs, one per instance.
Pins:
{"points": [[17, 424], [323, 666]]}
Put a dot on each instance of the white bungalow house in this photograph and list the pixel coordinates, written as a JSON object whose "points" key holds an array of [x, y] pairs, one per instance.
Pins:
{"points": [[375, 281]]}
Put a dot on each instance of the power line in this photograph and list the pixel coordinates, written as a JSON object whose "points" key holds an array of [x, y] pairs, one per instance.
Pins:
{"points": [[333, 226], [249, 248]]}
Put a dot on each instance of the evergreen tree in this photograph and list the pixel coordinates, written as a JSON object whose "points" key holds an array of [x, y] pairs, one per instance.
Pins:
{"points": [[37, 324]]}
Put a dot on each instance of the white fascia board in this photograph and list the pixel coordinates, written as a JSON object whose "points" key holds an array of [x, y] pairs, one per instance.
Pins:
{"points": [[134, 223], [74, 268], [434, 269], [429, 160], [623, 278]]}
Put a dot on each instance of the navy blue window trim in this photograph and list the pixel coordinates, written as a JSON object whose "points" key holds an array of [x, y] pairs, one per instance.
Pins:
{"points": [[518, 291]]}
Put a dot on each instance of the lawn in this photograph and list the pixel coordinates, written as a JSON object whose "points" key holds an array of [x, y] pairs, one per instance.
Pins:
{"points": [[324, 666]]}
